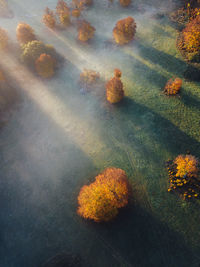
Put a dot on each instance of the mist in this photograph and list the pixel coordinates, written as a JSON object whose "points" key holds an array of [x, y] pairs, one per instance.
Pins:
{"points": [[59, 137]]}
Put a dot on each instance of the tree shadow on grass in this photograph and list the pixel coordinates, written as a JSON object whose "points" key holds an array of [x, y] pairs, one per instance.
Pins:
{"points": [[161, 130], [143, 72], [166, 61], [190, 100], [142, 240]]}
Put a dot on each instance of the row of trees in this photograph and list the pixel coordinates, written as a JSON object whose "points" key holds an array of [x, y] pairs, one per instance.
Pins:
{"points": [[123, 32], [63, 12], [36, 54]]}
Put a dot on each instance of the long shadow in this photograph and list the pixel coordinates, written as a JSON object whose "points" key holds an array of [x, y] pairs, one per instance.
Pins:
{"points": [[190, 100], [166, 61], [138, 239], [162, 130]]}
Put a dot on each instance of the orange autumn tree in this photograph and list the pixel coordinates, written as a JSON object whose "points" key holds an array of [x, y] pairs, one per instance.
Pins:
{"points": [[189, 40], [49, 18], [3, 39], [25, 33], [173, 86], [125, 3], [124, 31], [45, 65], [63, 12], [114, 88], [85, 31], [101, 200], [186, 165]]}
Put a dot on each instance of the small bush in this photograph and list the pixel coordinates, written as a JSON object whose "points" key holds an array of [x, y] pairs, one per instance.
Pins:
{"points": [[25, 33], [173, 86], [124, 31], [85, 31], [3, 39], [114, 88], [101, 200], [49, 18]]}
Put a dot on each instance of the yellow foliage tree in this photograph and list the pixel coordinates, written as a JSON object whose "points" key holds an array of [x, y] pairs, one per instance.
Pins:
{"points": [[114, 88], [124, 30], [187, 165], [101, 200], [189, 40], [45, 65], [25, 33], [3, 39]]}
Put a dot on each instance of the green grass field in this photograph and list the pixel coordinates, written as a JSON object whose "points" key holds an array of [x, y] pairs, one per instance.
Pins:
{"points": [[58, 140]]}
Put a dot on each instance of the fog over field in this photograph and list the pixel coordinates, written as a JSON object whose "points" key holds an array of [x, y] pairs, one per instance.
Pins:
{"points": [[60, 136]]}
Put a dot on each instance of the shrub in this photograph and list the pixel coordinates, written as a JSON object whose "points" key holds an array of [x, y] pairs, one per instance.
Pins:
{"points": [[189, 40], [32, 50], [85, 31], [49, 18], [101, 200], [125, 3], [124, 30], [114, 88], [25, 33], [3, 39], [173, 86], [44, 66], [63, 12]]}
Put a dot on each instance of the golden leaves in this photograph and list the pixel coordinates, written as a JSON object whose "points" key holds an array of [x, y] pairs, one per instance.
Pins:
{"points": [[101, 200]]}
